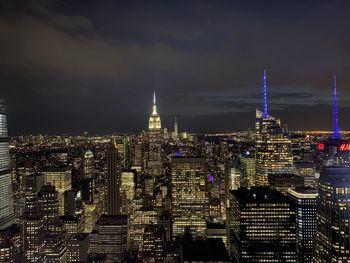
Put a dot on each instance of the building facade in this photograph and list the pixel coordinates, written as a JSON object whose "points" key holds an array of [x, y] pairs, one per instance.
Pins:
{"points": [[189, 200]]}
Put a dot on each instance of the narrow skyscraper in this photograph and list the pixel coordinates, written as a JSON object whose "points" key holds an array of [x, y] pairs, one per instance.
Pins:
{"points": [[113, 180], [155, 139], [6, 200], [273, 147], [176, 126]]}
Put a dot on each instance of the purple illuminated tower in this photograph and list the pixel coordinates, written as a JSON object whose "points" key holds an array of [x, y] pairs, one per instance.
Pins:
{"points": [[265, 115], [336, 134]]}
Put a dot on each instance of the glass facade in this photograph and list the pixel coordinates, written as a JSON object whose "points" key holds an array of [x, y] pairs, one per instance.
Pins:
{"points": [[273, 149], [6, 200]]}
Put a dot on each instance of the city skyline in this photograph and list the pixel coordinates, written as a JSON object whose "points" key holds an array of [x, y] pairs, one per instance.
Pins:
{"points": [[66, 69]]}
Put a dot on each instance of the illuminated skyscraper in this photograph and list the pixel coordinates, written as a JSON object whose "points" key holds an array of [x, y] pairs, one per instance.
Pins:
{"points": [[261, 226], [89, 164], [188, 177], [60, 177], [155, 139], [305, 204], [247, 168], [333, 215], [154, 119], [273, 147], [127, 190], [113, 180], [6, 199]]}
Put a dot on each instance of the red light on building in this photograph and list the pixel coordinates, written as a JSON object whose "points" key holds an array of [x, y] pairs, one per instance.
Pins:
{"points": [[344, 147], [320, 146]]}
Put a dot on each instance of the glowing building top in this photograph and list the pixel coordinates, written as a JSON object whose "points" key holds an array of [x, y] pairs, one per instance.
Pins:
{"points": [[336, 133], [154, 119], [265, 114]]}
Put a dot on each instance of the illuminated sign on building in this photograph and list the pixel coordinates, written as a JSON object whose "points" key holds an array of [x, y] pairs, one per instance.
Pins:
{"points": [[344, 147], [320, 146]]}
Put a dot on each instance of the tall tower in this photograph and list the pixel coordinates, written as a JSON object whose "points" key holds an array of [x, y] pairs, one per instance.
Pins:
{"points": [[273, 147], [333, 215], [155, 139], [176, 126], [113, 180], [336, 133], [265, 114], [154, 119], [6, 200]]}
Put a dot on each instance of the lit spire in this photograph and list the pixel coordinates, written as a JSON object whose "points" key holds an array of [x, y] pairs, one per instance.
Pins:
{"points": [[154, 112], [336, 133], [265, 114]]}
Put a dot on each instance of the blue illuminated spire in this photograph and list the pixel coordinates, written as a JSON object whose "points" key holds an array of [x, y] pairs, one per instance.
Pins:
{"points": [[336, 133], [265, 114]]}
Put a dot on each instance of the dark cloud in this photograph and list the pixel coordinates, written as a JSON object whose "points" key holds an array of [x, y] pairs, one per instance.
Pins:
{"points": [[71, 66]]}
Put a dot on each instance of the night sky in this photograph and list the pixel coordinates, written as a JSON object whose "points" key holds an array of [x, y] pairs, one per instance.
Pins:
{"points": [[82, 65]]}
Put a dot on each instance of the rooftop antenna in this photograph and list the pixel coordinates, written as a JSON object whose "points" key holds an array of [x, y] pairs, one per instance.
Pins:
{"points": [[336, 133], [265, 115]]}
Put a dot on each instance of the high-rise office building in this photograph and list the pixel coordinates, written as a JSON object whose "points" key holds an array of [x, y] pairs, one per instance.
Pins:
{"points": [[61, 178], [283, 182], [333, 215], [48, 203], [70, 202], [110, 237], [113, 180], [305, 200], [89, 164], [155, 138], [261, 226], [188, 179], [77, 247], [7, 215], [32, 236], [273, 147], [247, 168], [153, 244], [127, 190]]}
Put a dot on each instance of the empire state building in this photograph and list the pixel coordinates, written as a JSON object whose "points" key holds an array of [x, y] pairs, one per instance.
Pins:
{"points": [[154, 119], [155, 140]]}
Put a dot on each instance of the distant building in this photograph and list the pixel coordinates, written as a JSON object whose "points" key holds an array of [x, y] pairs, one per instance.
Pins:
{"points": [[61, 178], [247, 169], [308, 171], [89, 164], [283, 182], [113, 180], [188, 179], [261, 226], [333, 215]]}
